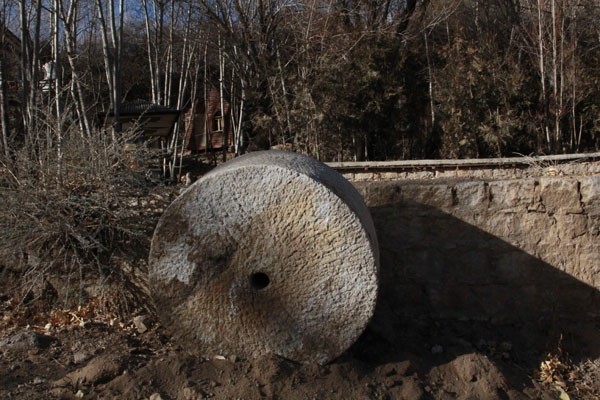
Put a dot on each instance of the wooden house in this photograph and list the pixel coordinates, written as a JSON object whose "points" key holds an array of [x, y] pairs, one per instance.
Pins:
{"points": [[151, 120], [10, 54], [206, 127]]}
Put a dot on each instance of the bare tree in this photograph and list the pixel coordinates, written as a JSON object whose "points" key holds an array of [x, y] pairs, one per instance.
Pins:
{"points": [[69, 16], [3, 94], [555, 41], [30, 64], [111, 26]]}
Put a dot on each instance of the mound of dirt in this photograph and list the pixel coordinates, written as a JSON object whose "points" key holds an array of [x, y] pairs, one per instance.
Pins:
{"points": [[126, 362]]}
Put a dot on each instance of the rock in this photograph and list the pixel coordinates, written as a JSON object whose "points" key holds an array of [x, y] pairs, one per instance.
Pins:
{"points": [[509, 196], [272, 252], [139, 323], [37, 380], [472, 195], [437, 349], [188, 393], [80, 356], [155, 396], [590, 194], [590, 189], [27, 340], [560, 195]]}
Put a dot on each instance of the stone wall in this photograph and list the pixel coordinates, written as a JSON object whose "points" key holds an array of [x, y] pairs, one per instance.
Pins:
{"points": [[519, 255], [368, 172]]}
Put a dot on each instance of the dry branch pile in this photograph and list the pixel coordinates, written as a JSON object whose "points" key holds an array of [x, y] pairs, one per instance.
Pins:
{"points": [[71, 236]]}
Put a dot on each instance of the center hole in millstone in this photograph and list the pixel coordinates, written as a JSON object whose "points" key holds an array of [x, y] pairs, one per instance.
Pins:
{"points": [[259, 280]]}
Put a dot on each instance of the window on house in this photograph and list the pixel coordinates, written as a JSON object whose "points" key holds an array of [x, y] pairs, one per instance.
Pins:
{"points": [[217, 125]]}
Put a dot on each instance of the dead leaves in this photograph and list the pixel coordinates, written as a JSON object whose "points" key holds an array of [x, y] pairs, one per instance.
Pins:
{"points": [[99, 311], [96, 311], [559, 372]]}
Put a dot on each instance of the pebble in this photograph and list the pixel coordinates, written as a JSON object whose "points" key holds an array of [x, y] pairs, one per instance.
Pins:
{"points": [[189, 393], [37, 380], [80, 357], [155, 396], [139, 323]]}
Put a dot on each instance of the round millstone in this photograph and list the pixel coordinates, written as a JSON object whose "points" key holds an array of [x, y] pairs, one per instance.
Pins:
{"points": [[272, 252]]}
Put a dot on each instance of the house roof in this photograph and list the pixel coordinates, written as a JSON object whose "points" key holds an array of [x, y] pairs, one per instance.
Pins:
{"points": [[140, 106], [7, 34], [149, 118]]}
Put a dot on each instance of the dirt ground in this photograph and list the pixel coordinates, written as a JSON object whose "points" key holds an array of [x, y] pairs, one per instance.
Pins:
{"points": [[88, 352]]}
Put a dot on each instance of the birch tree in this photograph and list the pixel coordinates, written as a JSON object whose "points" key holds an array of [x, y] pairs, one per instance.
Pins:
{"points": [[69, 15], [3, 93], [549, 26], [30, 65], [111, 27]]}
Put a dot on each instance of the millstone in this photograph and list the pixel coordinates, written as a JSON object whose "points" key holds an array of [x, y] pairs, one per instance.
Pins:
{"points": [[272, 252]]}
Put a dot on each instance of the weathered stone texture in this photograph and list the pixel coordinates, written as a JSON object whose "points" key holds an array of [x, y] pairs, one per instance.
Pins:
{"points": [[512, 195], [590, 194], [272, 252], [560, 195], [509, 251], [374, 173]]}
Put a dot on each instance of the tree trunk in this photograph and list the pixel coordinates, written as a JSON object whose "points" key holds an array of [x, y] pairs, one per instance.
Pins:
{"points": [[153, 86], [221, 94], [542, 72], [70, 29], [111, 47], [57, 89], [3, 116], [556, 101], [430, 81]]}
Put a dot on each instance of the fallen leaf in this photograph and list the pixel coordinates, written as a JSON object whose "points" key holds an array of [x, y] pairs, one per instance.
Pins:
{"points": [[563, 395]]}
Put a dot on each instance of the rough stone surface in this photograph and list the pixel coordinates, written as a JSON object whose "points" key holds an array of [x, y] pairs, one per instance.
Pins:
{"points": [[272, 252], [590, 194], [560, 195], [517, 252], [375, 173]]}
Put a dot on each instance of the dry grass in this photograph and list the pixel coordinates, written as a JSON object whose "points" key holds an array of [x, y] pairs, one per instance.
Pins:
{"points": [[61, 237]]}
